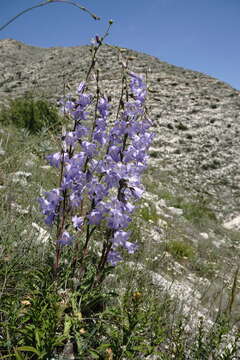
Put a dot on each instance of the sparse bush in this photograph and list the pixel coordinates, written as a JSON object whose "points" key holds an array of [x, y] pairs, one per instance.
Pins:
{"points": [[30, 113], [180, 249], [148, 213], [198, 212]]}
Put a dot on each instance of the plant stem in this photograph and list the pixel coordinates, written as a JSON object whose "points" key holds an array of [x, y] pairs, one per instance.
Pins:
{"points": [[43, 3]]}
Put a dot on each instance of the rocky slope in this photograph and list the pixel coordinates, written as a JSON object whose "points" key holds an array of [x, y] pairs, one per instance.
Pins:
{"points": [[197, 117], [193, 183]]}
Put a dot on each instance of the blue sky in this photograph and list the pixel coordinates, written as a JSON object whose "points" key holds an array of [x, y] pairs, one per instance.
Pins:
{"points": [[202, 35]]}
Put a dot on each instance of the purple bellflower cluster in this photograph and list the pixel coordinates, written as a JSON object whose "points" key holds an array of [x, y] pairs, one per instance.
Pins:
{"points": [[100, 170]]}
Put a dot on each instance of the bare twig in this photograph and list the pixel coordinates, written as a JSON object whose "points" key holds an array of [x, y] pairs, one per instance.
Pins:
{"points": [[43, 3]]}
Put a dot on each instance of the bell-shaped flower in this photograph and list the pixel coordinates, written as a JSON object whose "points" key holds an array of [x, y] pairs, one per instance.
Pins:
{"points": [[49, 205], [114, 258], [77, 221], [55, 159], [103, 107], [89, 148], [95, 217], [65, 239]]}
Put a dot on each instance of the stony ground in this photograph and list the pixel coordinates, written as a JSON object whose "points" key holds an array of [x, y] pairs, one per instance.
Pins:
{"points": [[190, 215]]}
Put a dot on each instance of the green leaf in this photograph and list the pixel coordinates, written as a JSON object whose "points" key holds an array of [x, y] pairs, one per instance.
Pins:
{"points": [[37, 337], [29, 349], [103, 347], [94, 354], [59, 340], [67, 325], [18, 355]]}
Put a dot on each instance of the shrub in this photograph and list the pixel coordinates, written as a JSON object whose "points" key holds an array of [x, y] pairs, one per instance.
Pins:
{"points": [[180, 249], [32, 114]]}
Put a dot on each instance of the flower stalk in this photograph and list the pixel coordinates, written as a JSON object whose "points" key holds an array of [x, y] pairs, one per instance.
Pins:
{"points": [[100, 172]]}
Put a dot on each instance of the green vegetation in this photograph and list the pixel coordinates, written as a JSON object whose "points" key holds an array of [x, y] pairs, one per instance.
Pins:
{"points": [[31, 114], [148, 213], [128, 317], [196, 211], [179, 249]]}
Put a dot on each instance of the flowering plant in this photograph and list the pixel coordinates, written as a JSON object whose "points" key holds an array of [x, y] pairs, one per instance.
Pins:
{"points": [[100, 172]]}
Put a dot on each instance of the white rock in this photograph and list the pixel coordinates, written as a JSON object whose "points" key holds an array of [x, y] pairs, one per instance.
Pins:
{"points": [[204, 235], [19, 209], [22, 174], [162, 223], [20, 177], [233, 224], [176, 211], [22, 182], [161, 203], [43, 235]]}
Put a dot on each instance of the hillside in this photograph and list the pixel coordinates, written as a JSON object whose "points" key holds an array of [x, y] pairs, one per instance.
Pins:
{"points": [[190, 215], [196, 117]]}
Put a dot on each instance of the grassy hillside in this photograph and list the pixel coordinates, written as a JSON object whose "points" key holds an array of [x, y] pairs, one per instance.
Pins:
{"points": [[177, 297]]}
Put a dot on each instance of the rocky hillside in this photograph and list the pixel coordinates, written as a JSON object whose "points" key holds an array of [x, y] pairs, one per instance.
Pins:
{"points": [[193, 182], [197, 117]]}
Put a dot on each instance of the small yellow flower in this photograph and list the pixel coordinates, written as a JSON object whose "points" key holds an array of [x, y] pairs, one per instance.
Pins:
{"points": [[109, 354], [136, 295], [82, 331], [25, 302]]}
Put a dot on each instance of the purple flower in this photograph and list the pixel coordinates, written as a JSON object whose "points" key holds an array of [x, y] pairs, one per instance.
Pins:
{"points": [[65, 239], [81, 87], [109, 184], [71, 138], [95, 217], [77, 221], [136, 83], [54, 159], [100, 136], [135, 192], [76, 198], [97, 191], [89, 148], [95, 166], [49, 205], [103, 107], [84, 100], [67, 104], [133, 109], [131, 248], [101, 123], [114, 152], [116, 218], [130, 154], [128, 207], [79, 114], [114, 257], [81, 131], [120, 238], [118, 130]]}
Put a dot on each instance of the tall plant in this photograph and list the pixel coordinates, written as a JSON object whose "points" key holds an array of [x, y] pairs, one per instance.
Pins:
{"points": [[100, 168], [100, 162]]}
